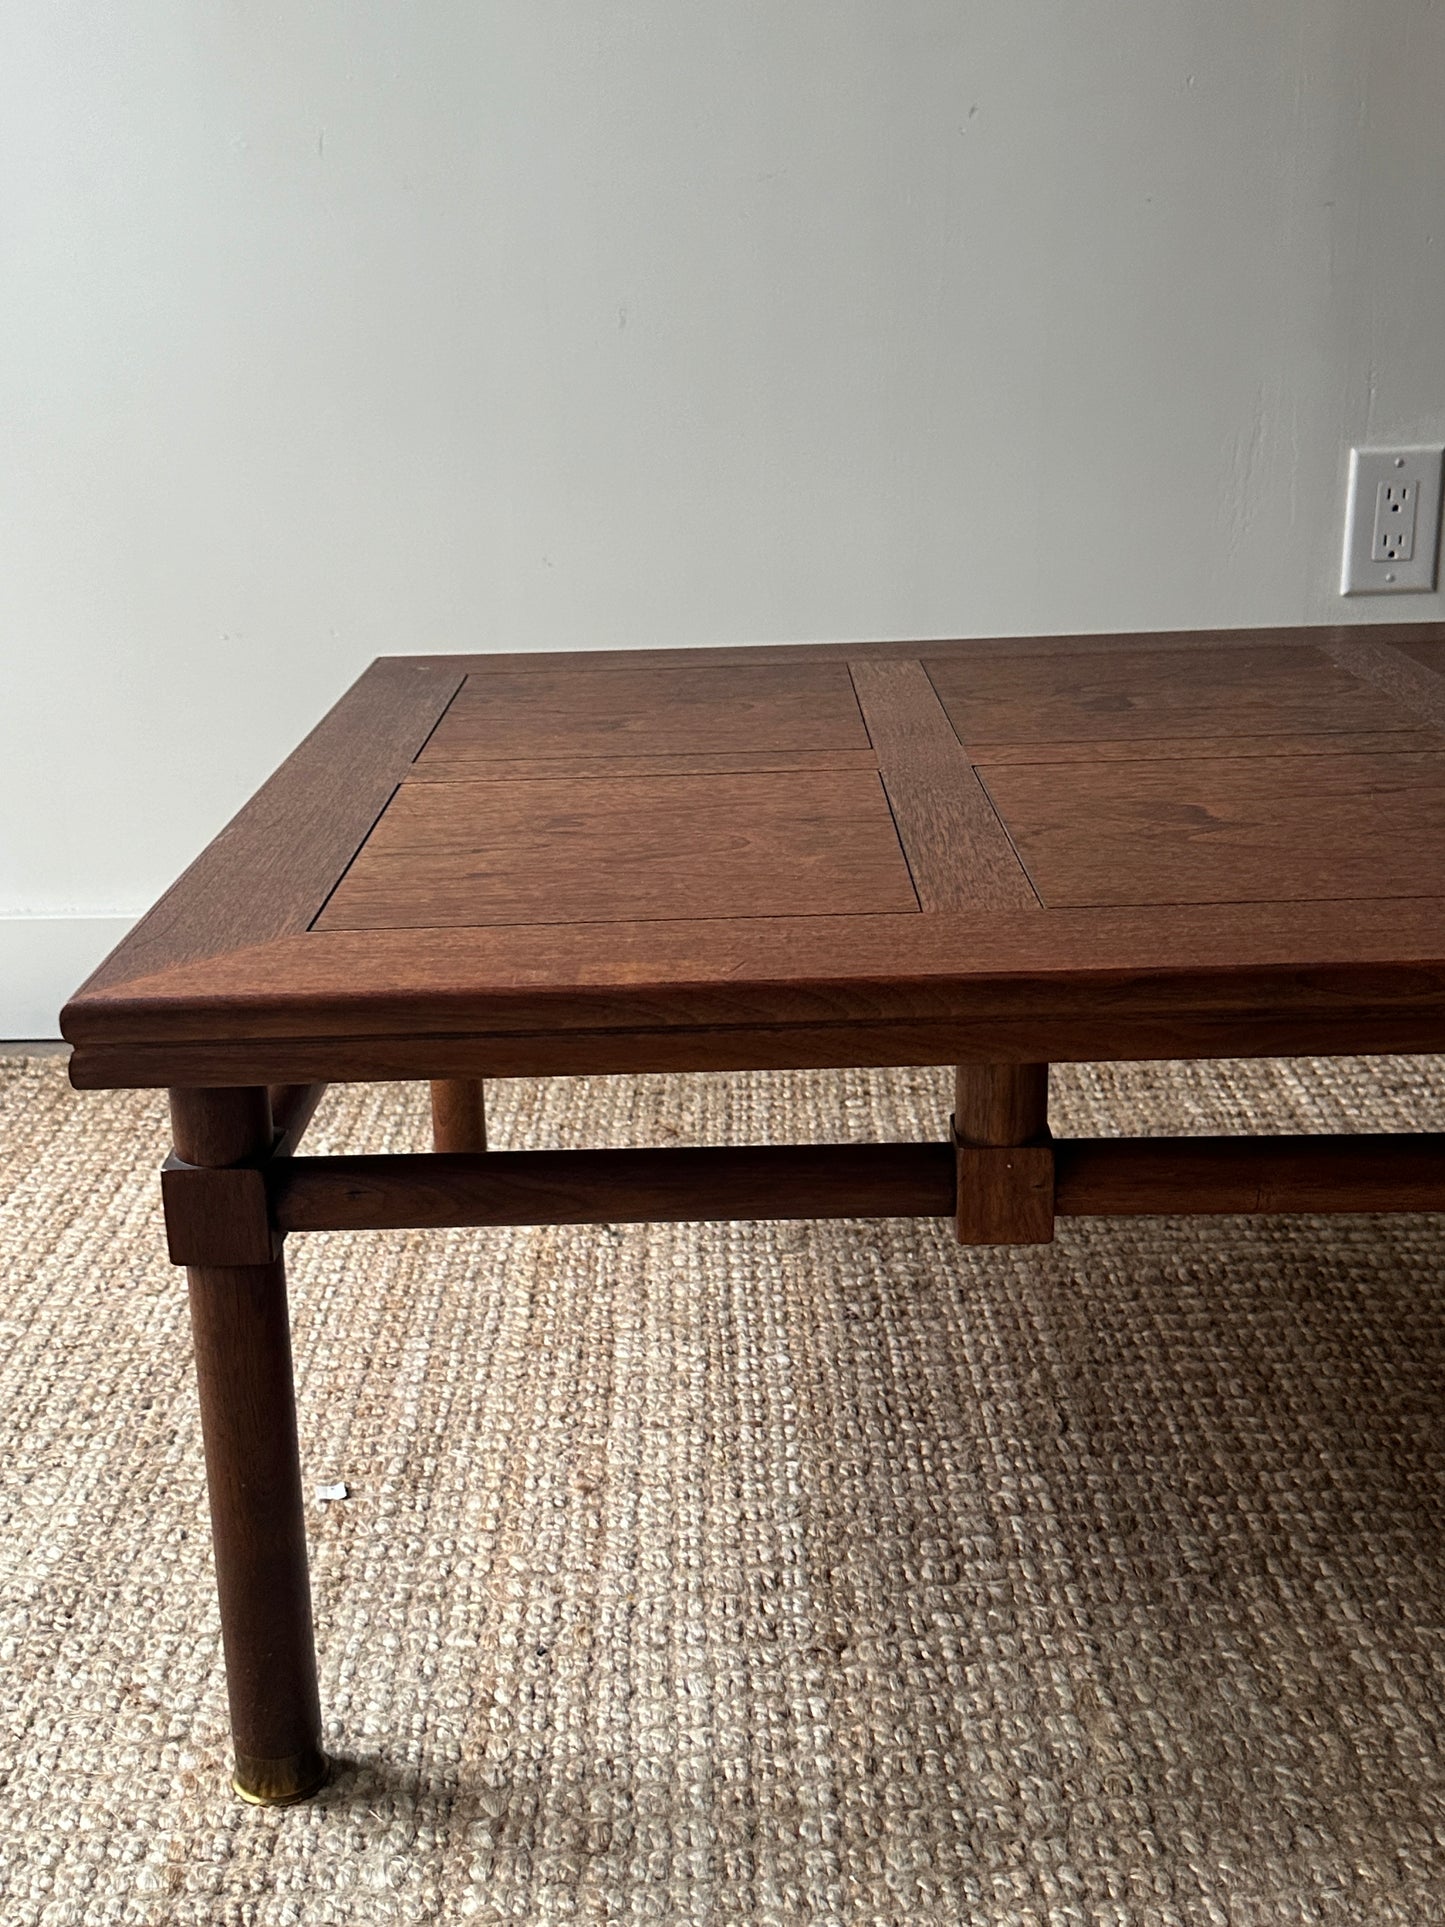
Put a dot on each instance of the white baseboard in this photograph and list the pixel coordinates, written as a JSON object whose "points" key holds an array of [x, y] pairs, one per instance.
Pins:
{"points": [[42, 960]]}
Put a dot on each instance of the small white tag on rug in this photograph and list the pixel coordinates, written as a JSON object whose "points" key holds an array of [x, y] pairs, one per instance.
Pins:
{"points": [[338, 1491]]}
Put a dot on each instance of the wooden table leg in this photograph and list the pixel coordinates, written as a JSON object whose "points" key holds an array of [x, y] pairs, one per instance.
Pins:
{"points": [[242, 1337], [458, 1116], [1005, 1157]]}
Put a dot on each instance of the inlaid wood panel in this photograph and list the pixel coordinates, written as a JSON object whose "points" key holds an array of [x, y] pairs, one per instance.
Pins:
{"points": [[640, 710], [627, 849], [436, 768], [1128, 694], [958, 851], [1149, 749], [1184, 830]]}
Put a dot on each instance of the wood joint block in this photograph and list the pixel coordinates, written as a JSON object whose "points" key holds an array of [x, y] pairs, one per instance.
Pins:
{"points": [[1006, 1192], [217, 1217]]}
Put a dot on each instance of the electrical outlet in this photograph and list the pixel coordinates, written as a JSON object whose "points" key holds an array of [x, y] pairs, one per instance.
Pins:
{"points": [[1396, 506], [1392, 521]]}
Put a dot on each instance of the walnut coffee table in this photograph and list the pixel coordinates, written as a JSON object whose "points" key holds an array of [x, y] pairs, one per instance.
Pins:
{"points": [[989, 854]]}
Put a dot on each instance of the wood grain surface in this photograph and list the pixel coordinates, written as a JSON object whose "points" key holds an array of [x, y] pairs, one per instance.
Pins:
{"points": [[1430, 654], [627, 850], [1137, 1177], [1116, 846], [1149, 749], [1411, 673], [615, 1187], [433, 767], [242, 1338], [639, 709], [1138, 692], [1005, 1156], [958, 850], [1227, 830], [1081, 1177], [458, 1114]]}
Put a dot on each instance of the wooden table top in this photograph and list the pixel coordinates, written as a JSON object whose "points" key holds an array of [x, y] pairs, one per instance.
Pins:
{"points": [[1058, 848]]}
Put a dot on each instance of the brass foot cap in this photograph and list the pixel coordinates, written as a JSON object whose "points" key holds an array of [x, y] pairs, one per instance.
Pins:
{"points": [[280, 1783]]}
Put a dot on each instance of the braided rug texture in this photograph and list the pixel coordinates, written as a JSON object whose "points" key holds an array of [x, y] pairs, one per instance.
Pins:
{"points": [[749, 1573]]}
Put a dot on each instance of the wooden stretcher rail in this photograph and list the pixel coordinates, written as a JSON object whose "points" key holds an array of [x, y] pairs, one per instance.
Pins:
{"points": [[612, 1187], [1094, 1177], [1154, 1177]]}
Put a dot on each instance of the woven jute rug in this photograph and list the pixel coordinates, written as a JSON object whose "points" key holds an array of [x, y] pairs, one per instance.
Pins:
{"points": [[749, 1573]]}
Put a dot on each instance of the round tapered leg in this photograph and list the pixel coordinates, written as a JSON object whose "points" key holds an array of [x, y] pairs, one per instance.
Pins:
{"points": [[458, 1117], [241, 1331]]}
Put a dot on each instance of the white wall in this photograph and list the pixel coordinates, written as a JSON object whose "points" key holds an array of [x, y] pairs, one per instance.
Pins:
{"points": [[353, 326]]}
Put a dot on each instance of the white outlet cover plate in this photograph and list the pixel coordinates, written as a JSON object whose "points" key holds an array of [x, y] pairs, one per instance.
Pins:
{"points": [[1370, 470]]}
